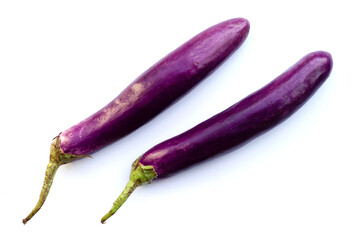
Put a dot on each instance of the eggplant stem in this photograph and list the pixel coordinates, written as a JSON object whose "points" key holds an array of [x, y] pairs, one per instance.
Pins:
{"points": [[130, 187], [57, 158], [49, 177], [140, 175]]}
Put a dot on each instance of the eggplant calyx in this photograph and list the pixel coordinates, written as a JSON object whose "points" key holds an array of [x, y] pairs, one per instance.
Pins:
{"points": [[140, 175], [57, 158]]}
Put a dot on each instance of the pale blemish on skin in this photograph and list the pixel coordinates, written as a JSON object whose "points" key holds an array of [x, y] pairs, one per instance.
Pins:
{"points": [[132, 95], [137, 89]]}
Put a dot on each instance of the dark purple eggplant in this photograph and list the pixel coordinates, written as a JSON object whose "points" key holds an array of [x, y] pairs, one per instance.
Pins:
{"points": [[148, 95], [251, 116]]}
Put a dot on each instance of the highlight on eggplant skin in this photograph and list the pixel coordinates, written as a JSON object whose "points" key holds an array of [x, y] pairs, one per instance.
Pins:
{"points": [[145, 97], [249, 117]]}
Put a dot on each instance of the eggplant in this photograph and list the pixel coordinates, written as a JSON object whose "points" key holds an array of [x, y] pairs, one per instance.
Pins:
{"points": [[244, 120], [145, 97]]}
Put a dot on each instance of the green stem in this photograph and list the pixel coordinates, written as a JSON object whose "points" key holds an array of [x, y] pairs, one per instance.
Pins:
{"points": [[57, 158], [49, 177], [140, 175], [130, 187]]}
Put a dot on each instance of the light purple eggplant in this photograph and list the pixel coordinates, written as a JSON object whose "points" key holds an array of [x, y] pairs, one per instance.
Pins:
{"points": [[148, 95], [244, 120]]}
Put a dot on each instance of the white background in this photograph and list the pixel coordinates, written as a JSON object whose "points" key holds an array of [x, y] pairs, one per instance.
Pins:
{"points": [[60, 61]]}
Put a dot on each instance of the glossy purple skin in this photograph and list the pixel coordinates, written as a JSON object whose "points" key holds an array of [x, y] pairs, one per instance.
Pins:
{"points": [[157, 88], [244, 120]]}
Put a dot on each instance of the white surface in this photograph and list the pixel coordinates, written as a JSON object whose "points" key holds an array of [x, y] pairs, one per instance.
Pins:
{"points": [[61, 61]]}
